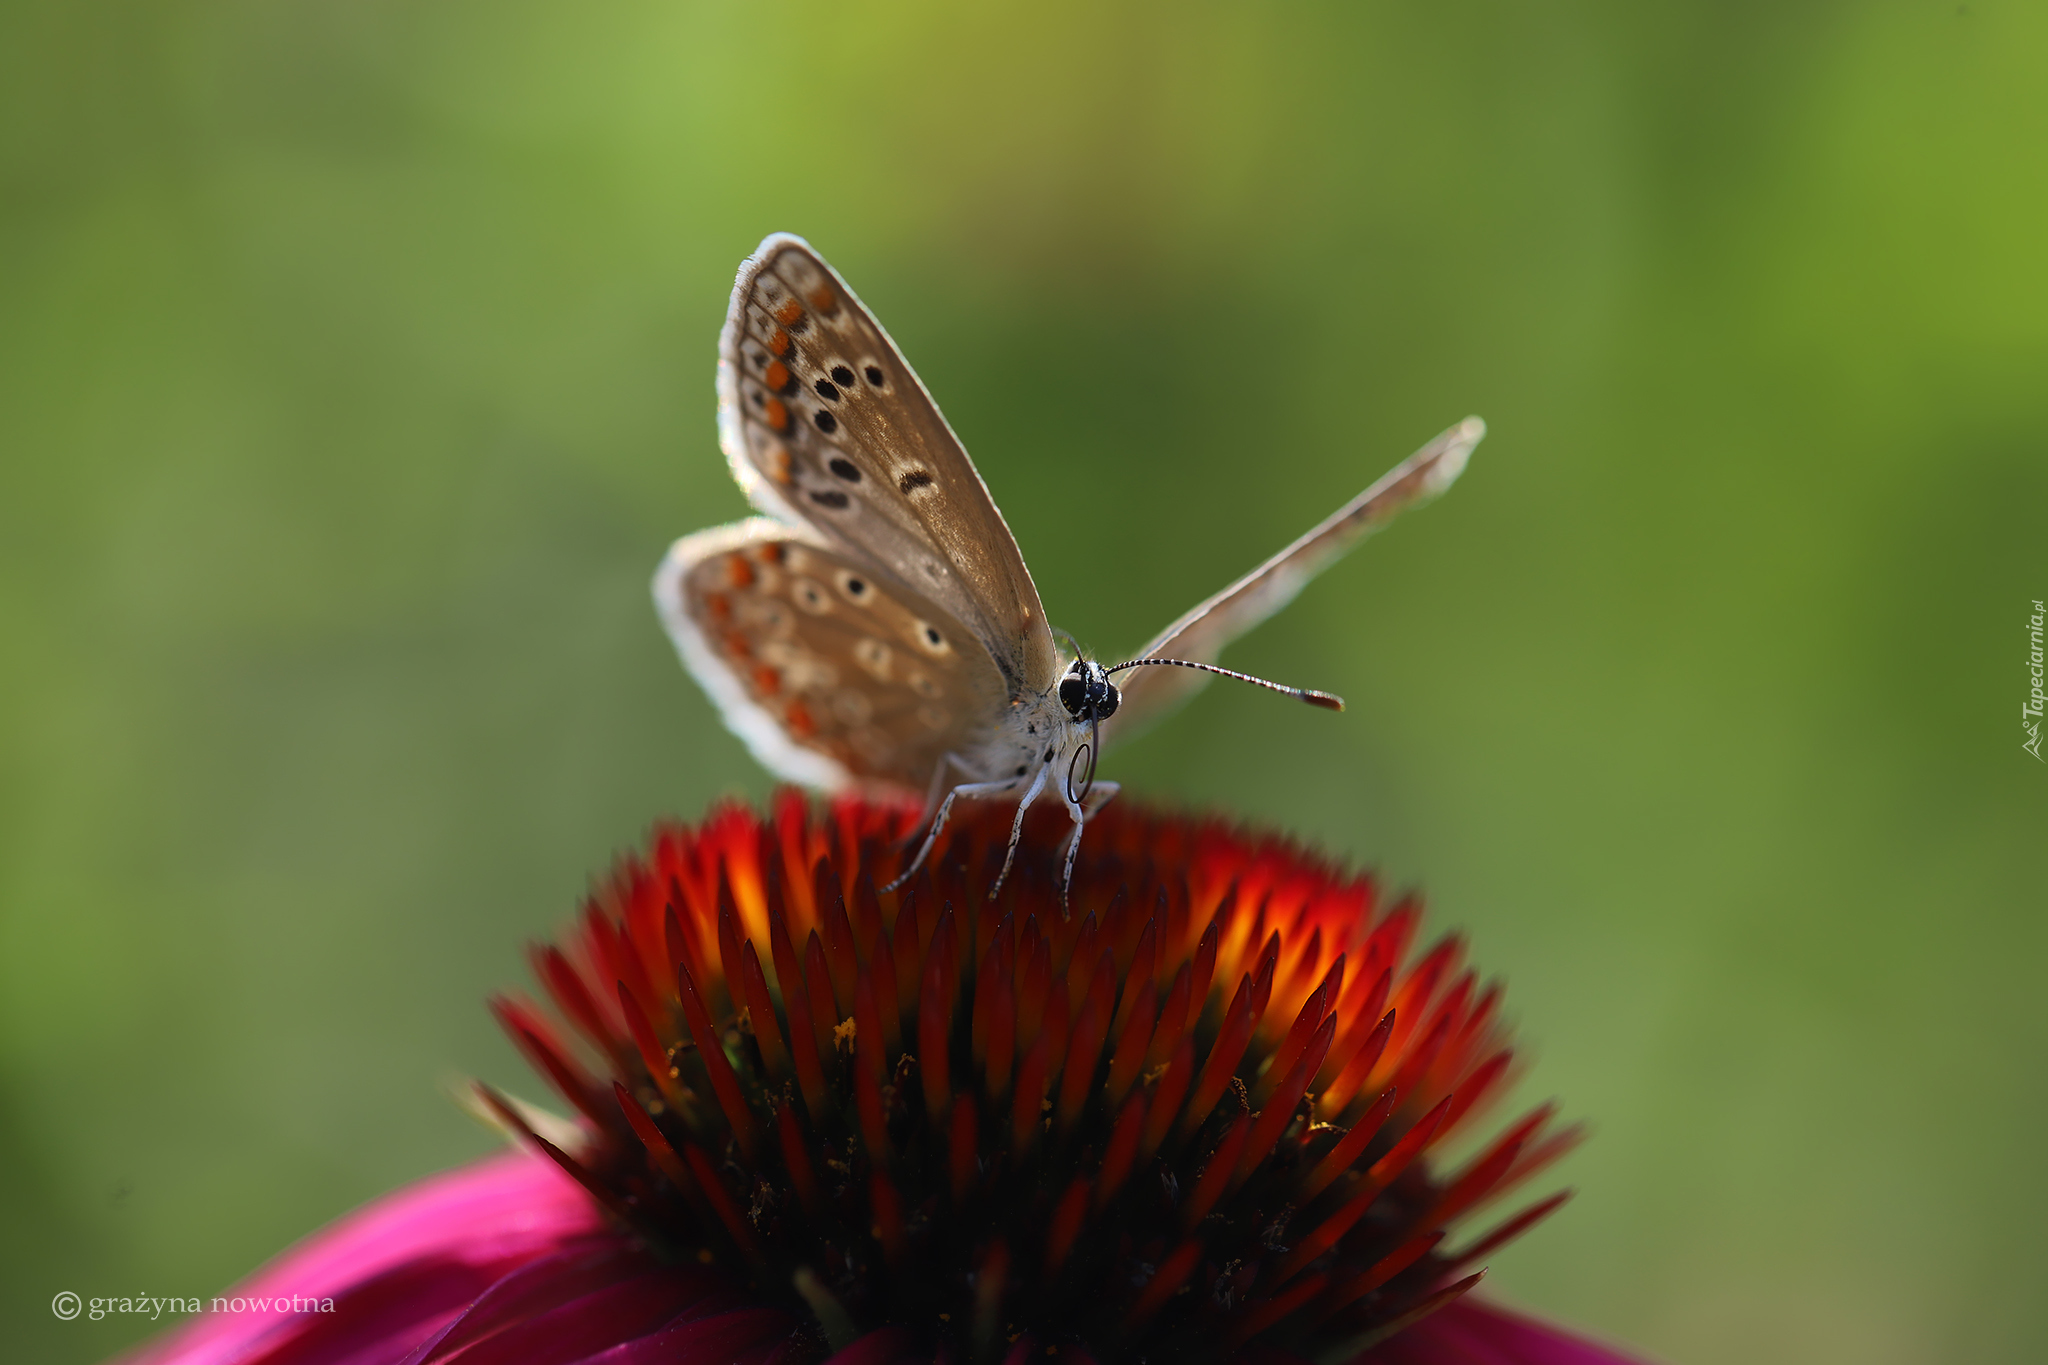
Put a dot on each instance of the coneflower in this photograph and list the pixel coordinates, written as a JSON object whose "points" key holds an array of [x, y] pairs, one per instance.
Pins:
{"points": [[1197, 1113], [1201, 1119]]}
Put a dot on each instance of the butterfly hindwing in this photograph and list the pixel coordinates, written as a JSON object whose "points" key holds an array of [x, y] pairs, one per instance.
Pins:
{"points": [[827, 427], [835, 675]]}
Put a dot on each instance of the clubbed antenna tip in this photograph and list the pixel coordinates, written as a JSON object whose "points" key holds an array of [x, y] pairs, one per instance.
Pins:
{"points": [[1329, 701]]}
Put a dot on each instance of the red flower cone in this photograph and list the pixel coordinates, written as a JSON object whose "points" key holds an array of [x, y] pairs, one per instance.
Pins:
{"points": [[1202, 1119]]}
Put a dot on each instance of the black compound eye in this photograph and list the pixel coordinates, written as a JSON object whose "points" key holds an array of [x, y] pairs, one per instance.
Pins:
{"points": [[1073, 693], [1106, 704]]}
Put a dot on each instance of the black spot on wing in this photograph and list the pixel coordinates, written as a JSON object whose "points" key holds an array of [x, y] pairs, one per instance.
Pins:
{"points": [[914, 480], [844, 468], [830, 497], [842, 376], [827, 423]]}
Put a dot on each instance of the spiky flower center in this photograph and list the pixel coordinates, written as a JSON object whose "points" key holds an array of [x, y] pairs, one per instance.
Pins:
{"points": [[1199, 1112]]}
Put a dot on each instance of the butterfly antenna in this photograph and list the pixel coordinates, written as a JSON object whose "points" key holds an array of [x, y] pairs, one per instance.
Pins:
{"points": [[1329, 701]]}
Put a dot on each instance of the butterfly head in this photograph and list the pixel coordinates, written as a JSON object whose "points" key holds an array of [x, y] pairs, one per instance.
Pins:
{"points": [[1087, 692]]}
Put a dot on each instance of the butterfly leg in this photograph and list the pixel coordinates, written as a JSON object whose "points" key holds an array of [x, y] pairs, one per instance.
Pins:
{"points": [[1017, 828], [1082, 811], [931, 799], [969, 789], [938, 784]]}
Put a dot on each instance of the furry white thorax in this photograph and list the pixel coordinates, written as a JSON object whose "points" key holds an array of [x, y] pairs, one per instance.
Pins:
{"points": [[1032, 731], [1036, 743]]}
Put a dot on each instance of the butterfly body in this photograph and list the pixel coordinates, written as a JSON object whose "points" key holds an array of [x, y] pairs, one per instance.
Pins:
{"points": [[877, 628]]}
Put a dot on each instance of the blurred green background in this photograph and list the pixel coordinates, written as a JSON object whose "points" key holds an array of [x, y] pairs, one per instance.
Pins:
{"points": [[355, 370]]}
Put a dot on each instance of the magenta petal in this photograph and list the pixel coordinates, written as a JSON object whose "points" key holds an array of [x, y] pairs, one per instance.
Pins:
{"points": [[404, 1265], [501, 1205], [533, 1289], [505, 1262], [743, 1336], [1473, 1333], [376, 1322], [651, 1299]]}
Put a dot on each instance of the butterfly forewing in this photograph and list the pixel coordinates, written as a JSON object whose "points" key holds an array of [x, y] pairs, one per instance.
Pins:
{"points": [[1201, 634], [833, 673], [827, 427]]}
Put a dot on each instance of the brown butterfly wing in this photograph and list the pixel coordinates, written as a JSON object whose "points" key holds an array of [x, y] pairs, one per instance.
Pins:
{"points": [[827, 426], [835, 675]]}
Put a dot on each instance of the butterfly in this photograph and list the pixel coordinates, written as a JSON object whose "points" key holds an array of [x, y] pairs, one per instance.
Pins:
{"points": [[876, 629]]}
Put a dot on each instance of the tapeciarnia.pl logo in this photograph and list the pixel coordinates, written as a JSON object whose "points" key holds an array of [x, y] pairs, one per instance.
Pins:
{"points": [[2030, 713]]}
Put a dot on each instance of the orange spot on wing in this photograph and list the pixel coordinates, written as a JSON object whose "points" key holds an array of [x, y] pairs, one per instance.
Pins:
{"points": [[789, 312], [777, 376], [736, 645], [776, 415], [738, 573], [798, 718], [822, 300], [719, 609], [774, 552], [768, 680], [779, 343]]}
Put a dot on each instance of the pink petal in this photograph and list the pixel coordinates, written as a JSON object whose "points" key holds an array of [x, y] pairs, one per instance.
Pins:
{"points": [[1474, 1333], [502, 1263], [536, 1288], [741, 1336], [405, 1264], [652, 1299]]}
